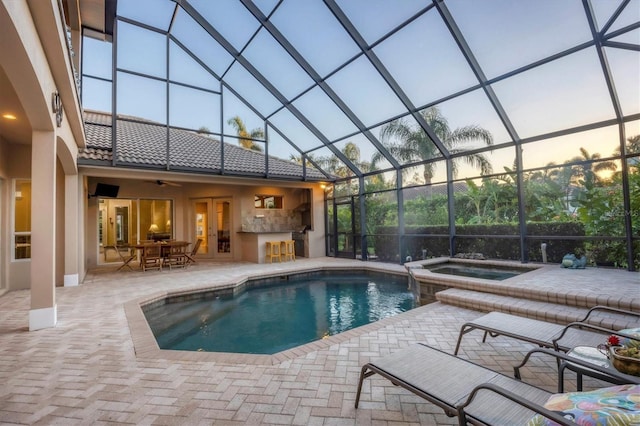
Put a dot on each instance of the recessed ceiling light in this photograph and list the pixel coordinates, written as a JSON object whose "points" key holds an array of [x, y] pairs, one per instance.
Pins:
{"points": [[9, 116]]}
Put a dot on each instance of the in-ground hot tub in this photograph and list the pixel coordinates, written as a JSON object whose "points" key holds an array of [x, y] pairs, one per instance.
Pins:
{"points": [[484, 271], [432, 275]]}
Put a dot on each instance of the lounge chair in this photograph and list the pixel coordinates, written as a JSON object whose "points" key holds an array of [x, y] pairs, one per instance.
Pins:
{"points": [[551, 335], [477, 395], [616, 405]]}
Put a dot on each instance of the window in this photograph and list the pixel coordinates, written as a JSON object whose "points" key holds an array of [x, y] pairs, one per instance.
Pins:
{"points": [[22, 219], [126, 222], [268, 201]]}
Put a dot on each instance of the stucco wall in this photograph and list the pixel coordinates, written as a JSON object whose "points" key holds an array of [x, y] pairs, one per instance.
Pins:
{"points": [[242, 208]]}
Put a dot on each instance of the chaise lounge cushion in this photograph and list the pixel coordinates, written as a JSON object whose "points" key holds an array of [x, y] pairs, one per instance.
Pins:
{"points": [[615, 405]]}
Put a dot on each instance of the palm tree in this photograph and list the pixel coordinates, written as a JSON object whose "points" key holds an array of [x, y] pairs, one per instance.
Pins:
{"points": [[246, 138], [332, 164], [413, 144], [589, 167], [633, 145]]}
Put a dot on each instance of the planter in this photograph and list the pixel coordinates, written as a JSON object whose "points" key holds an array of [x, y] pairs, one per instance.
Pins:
{"points": [[624, 364]]}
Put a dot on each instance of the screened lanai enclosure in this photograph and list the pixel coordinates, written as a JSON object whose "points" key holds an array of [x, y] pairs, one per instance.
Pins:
{"points": [[507, 128]]}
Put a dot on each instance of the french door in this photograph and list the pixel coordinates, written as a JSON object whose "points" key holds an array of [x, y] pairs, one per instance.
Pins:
{"points": [[212, 224]]}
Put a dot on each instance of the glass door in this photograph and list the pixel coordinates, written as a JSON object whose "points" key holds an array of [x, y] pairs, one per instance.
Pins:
{"points": [[223, 227], [212, 224], [344, 228], [2, 280]]}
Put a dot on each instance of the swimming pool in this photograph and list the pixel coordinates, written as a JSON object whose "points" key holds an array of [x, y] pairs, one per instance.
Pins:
{"points": [[270, 316]]}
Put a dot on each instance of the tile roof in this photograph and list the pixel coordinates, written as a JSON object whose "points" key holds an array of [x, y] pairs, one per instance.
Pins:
{"points": [[143, 143]]}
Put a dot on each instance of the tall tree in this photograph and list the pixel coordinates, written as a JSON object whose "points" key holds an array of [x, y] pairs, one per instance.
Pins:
{"points": [[332, 165], [245, 137], [589, 166], [204, 130], [409, 143]]}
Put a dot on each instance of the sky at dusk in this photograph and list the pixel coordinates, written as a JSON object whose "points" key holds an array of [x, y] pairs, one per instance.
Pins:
{"points": [[411, 42]]}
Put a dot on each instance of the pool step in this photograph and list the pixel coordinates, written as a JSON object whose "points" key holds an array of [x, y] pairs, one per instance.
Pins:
{"points": [[488, 302]]}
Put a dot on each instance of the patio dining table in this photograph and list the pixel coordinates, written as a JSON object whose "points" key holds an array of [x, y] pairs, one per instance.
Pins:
{"points": [[165, 247]]}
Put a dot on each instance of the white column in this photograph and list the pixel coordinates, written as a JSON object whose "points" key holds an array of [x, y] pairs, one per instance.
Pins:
{"points": [[43, 231], [71, 224]]}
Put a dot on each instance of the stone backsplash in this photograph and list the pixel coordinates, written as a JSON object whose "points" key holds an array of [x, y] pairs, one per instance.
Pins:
{"points": [[274, 220]]}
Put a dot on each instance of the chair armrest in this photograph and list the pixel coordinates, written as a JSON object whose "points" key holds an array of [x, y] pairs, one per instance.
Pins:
{"points": [[490, 387], [611, 310], [592, 327]]}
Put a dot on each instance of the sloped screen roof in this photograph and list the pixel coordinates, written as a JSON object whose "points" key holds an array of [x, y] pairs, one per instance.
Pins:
{"points": [[356, 87]]}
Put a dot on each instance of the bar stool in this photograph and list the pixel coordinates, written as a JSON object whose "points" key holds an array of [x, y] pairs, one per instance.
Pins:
{"points": [[273, 251], [287, 250]]}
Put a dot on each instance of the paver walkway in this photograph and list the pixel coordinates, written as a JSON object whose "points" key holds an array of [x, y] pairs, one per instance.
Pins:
{"points": [[85, 371]]}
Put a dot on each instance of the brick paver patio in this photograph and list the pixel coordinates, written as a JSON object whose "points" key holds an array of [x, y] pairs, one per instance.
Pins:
{"points": [[85, 370]]}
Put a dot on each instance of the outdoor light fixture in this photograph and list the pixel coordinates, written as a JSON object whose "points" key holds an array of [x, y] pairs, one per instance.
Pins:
{"points": [[9, 116], [56, 107]]}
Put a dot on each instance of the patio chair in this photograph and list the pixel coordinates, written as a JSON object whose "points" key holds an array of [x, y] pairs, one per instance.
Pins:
{"points": [[476, 394], [151, 256], [612, 405], [190, 257], [447, 381], [177, 255], [126, 254], [551, 335]]}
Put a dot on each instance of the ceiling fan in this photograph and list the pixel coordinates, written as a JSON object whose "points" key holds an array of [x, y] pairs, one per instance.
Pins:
{"points": [[164, 183]]}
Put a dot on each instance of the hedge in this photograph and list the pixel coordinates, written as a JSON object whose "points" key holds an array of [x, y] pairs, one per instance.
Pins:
{"points": [[417, 238]]}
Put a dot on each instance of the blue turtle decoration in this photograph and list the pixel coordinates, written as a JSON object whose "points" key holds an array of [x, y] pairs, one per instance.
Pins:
{"points": [[572, 262]]}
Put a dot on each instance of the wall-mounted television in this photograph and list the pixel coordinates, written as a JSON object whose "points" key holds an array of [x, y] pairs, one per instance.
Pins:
{"points": [[106, 190]]}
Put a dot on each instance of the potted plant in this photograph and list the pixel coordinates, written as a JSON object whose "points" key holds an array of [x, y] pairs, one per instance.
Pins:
{"points": [[625, 357]]}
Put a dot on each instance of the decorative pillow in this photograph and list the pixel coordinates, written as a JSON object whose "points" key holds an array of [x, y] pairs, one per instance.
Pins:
{"points": [[635, 332], [612, 406]]}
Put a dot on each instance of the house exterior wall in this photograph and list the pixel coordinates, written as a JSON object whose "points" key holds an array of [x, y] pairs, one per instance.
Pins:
{"points": [[242, 208], [36, 63]]}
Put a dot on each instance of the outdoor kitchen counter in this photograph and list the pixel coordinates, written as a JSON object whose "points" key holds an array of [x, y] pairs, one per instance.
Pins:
{"points": [[253, 243]]}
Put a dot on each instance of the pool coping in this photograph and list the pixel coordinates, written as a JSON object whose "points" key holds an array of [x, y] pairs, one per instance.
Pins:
{"points": [[146, 346]]}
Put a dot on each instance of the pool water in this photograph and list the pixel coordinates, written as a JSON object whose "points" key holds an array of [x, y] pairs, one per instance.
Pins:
{"points": [[488, 272], [267, 319]]}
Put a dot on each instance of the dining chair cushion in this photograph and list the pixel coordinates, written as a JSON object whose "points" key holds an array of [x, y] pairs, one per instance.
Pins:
{"points": [[614, 405]]}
